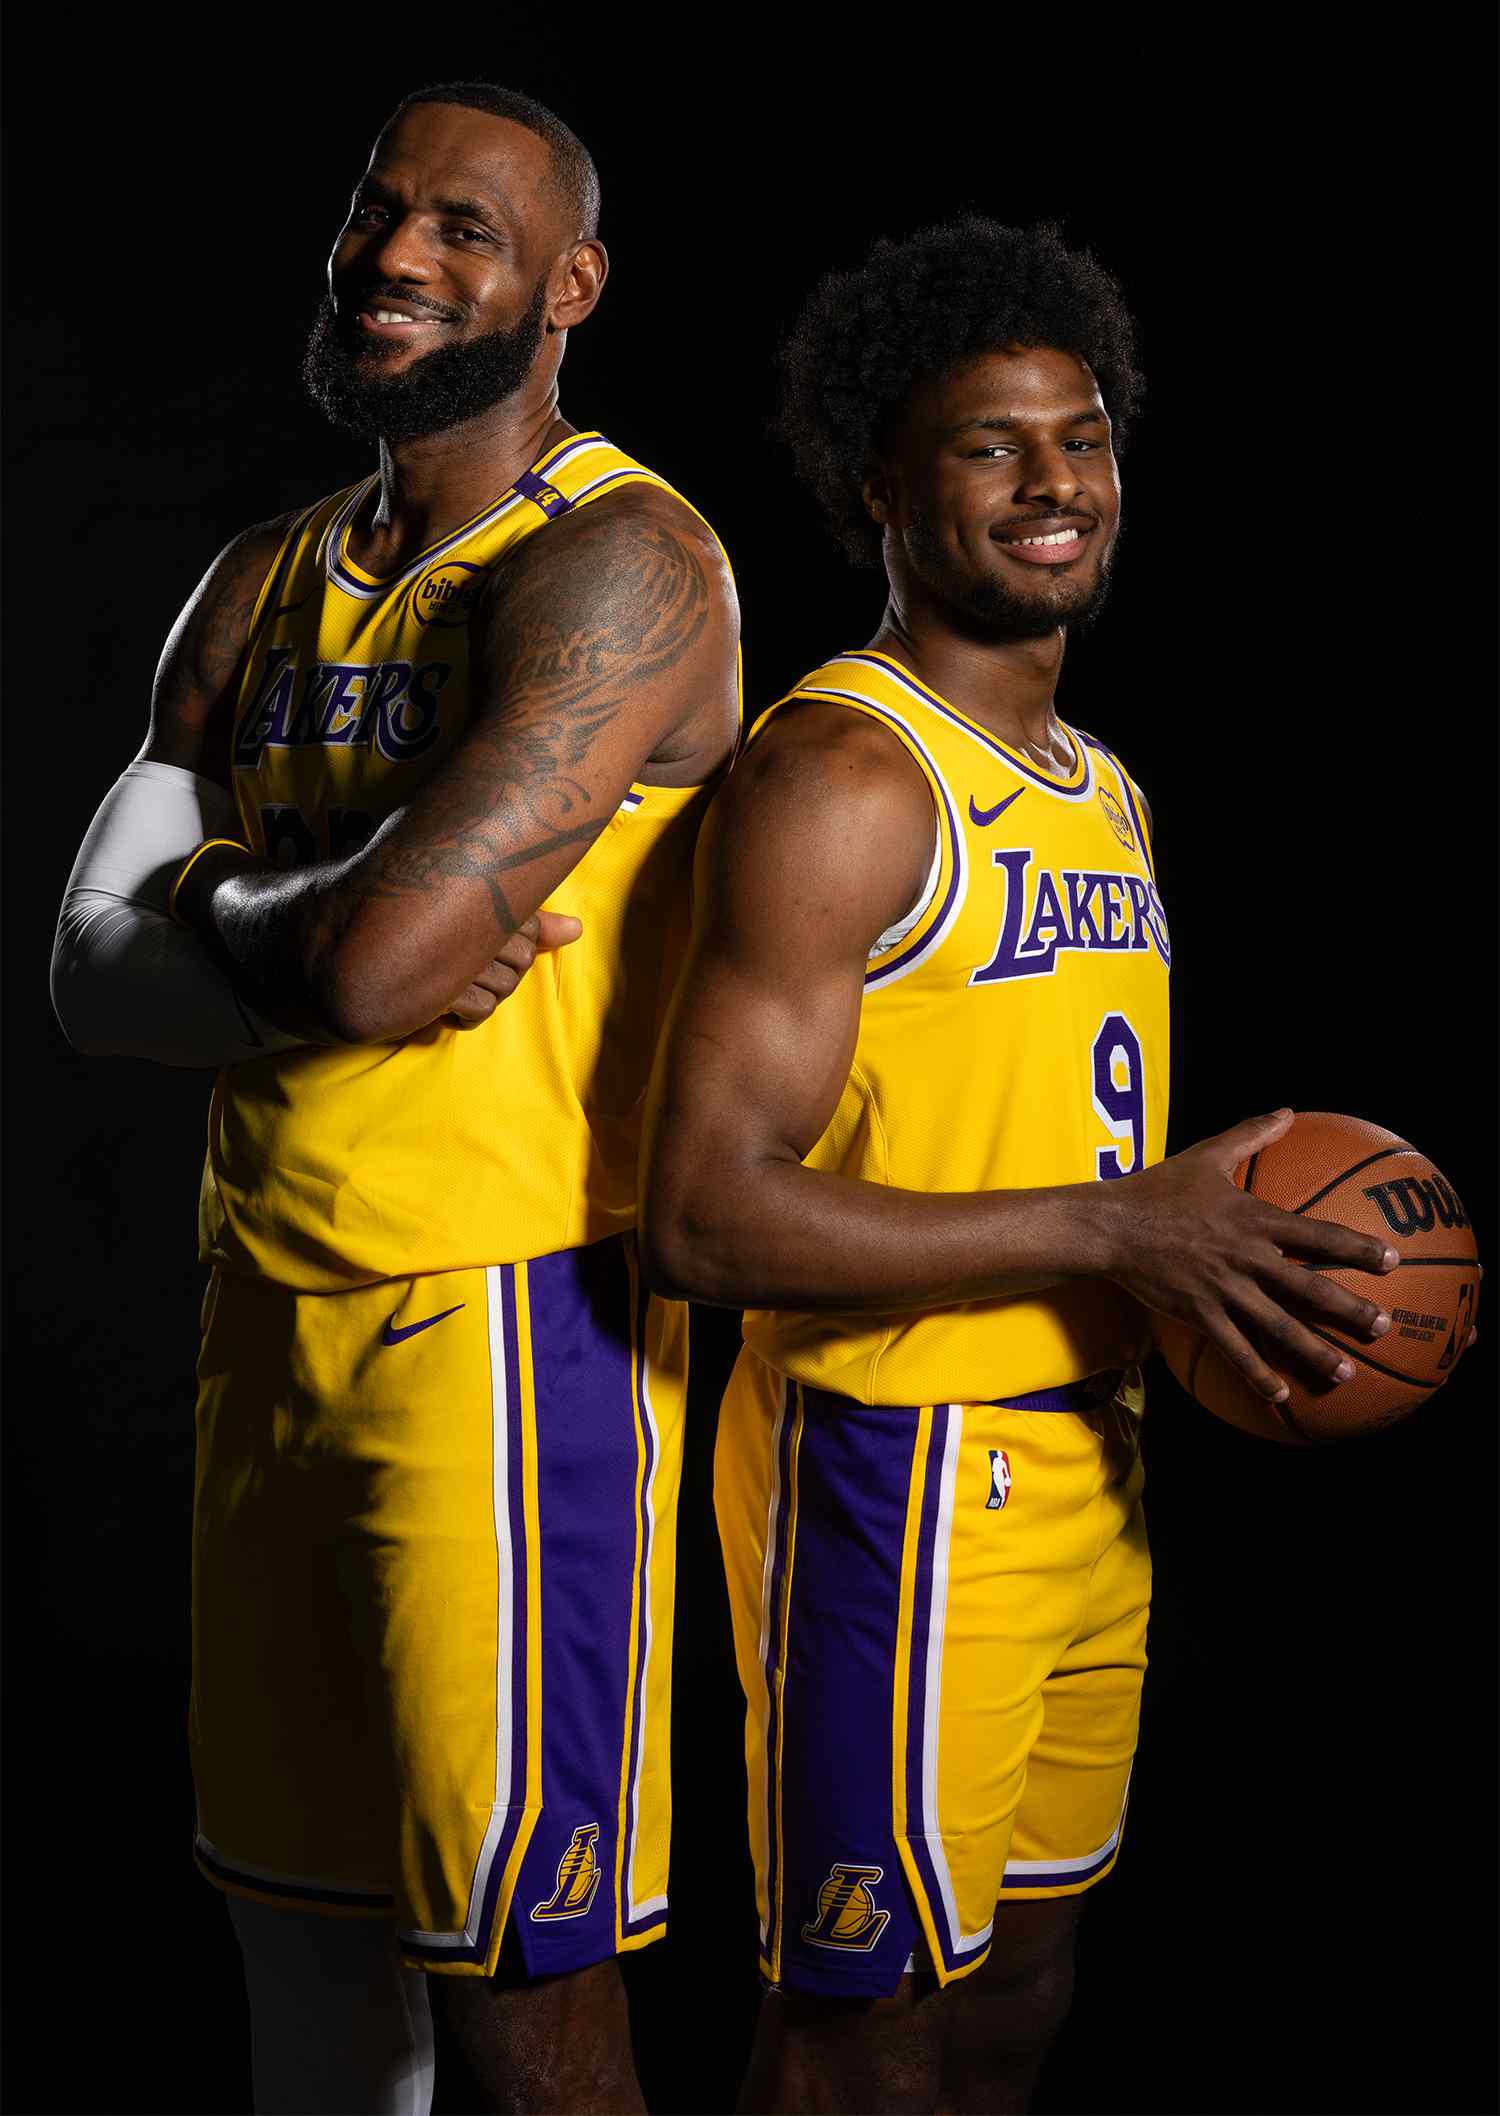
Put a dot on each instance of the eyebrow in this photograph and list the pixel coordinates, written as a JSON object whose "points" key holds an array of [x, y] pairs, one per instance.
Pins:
{"points": [[994, 422]]}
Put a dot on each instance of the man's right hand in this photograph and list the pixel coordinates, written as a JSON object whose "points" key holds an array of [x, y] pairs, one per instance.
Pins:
{"points": [[503, 972], [1189, 1243]]}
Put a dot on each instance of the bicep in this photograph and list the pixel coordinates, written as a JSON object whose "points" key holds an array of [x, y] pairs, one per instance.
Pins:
{"points": [[806, 858], [192, 698], [595, 646]]}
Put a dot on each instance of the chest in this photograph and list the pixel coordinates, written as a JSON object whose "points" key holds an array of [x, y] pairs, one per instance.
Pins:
{"points": [[347, 705]]}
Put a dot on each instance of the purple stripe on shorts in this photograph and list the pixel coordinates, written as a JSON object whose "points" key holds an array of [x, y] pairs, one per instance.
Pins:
{"points": [[1063, 1878], [853, 1475], [580, 1302], [916, 1689], [643, 1605], [781, 1529]]}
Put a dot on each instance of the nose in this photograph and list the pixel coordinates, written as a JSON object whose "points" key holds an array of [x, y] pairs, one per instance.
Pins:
{"points": [[1049, 474], [398, 251]]}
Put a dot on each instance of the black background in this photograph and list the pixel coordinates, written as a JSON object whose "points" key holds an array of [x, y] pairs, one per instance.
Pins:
{"points": [[1300, 1919]]}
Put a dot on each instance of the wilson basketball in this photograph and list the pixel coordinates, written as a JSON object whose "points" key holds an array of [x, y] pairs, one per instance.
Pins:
{"points": [[1341, 1168]]}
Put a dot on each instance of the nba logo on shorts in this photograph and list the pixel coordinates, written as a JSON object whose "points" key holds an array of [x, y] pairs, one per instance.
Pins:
{"points": [[999, 1479], [847, 1917], [577, 1877]]}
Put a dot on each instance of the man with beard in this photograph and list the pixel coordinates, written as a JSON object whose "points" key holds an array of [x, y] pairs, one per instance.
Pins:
{"points": [[924, 1009], [439, 1416]]}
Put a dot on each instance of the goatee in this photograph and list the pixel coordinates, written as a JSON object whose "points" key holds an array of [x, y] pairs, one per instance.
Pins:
{"points": [[444, 388], [1008, 615]]}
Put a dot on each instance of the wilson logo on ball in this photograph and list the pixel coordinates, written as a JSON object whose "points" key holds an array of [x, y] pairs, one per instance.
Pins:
{"points": [[1416, 1204]]}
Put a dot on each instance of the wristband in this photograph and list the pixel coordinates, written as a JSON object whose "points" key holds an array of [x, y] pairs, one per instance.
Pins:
{"points": [[191, 862]]}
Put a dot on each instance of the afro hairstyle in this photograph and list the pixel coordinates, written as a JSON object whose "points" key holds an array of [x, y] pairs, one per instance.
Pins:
{"points": [[923, 306]]}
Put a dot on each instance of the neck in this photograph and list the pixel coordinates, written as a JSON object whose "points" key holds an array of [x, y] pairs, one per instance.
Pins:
{"points": [[1008, 686], [432, 484]]}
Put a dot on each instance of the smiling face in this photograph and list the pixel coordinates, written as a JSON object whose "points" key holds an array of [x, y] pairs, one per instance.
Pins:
{"points": [[999, 493], [457, 260]]}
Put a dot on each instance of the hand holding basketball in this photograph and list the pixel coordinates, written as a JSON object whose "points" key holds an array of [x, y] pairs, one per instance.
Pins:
{"points": [[1193, 1246], [1351, 1170]]}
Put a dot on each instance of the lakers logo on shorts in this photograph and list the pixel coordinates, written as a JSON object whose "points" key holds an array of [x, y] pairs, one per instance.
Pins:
{"points": [[1119, 821], [847, 1917], [577, 1878]]}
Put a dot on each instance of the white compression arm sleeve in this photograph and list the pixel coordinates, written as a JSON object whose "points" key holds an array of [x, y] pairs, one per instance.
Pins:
{"points": [[127, 982]]}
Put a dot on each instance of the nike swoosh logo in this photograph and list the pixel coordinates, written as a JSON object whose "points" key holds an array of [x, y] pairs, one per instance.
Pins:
{"points": [[390, 1335], [985, 816]]}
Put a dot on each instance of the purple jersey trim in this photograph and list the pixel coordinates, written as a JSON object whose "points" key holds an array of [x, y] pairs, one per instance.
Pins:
{"points": [[372, 590], [904, 677], [1142, 836], [912, 951]]}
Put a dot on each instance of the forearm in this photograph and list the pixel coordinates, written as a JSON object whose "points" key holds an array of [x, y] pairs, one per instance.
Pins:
{"points": [[126, 981], [775, 1233], [272, 931]]}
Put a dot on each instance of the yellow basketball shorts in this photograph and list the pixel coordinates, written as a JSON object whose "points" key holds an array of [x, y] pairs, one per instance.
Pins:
{"points": [[433, 1569], [940, 1624]]}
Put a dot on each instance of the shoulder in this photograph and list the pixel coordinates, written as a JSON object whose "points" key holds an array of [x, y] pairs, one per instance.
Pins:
{"points": [[827, 806], [640, 541], [226, 596], [203, 652]]}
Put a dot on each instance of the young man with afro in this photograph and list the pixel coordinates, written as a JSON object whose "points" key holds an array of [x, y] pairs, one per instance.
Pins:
{"points": [[924, 1013]]}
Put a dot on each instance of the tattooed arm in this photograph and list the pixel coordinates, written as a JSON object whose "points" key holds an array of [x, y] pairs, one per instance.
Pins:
{"points": [[603, 651]]}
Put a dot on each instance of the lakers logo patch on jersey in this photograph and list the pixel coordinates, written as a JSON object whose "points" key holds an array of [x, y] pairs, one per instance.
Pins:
{"points": [[999, 1479], [847, 1917], [577, 1878], [1119, 821]]}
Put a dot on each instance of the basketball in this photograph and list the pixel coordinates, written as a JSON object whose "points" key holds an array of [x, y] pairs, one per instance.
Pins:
{"points": [[1341, 1168]]}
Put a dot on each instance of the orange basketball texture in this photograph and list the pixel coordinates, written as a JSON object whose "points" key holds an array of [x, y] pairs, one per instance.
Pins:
{"points": [[1342, 1168]]}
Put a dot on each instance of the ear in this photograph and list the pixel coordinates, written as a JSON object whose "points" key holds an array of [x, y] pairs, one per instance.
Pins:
{"points": [[875, 492], [577, 282]]}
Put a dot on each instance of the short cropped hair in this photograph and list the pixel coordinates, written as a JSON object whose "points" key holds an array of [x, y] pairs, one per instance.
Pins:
{"points": [[574, 176], [924, 306]]}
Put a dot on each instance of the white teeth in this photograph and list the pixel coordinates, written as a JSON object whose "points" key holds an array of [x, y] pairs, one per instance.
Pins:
{"points": [[1060, 536], [392, 316]]}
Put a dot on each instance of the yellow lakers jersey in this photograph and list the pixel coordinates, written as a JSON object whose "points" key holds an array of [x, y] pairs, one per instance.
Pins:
{"points": [[330, 1167], [1015, 1036]]}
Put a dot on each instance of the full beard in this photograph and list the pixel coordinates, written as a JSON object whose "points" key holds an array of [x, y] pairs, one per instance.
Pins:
{"points": [[1004, 613], [444, 388]]}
